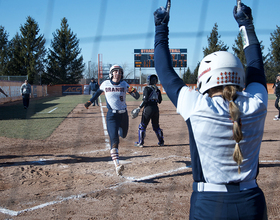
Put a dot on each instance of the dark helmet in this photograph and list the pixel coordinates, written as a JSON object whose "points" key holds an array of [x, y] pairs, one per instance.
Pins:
{"points": [[152, 79]]}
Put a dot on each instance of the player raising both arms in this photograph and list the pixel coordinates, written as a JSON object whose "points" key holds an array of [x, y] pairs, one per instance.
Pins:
{"points": [[115, 90], [225, 123]]}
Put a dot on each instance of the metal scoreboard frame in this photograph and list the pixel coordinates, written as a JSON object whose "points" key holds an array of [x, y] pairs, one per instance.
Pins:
{"points": [[144, 58]]}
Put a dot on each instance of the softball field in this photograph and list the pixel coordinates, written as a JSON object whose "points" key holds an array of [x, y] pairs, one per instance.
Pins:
{"points": [[69, 175]]}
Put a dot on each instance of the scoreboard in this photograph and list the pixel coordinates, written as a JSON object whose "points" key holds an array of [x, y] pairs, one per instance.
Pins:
{"points": [[145, 58]]}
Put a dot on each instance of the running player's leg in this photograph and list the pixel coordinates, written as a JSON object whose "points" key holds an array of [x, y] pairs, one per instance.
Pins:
{"points": [[123, 122], [112, 127]]}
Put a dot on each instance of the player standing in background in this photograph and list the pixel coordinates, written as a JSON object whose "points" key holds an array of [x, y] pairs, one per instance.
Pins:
{"points": [[117, 118], [151, 98], [225, 123], [276, 86], [93, 87], [25, 91]]}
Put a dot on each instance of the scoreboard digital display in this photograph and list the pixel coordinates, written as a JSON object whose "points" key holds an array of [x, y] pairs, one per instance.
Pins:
{"points": [[145, 58]]}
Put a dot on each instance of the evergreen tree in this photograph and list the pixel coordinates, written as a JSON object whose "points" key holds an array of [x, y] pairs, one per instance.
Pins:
{"points": [[33, 50], [186, 76], [3, 51], [16, 59], [195, 73], [65, 64], [214, 44], [238, 50], [189, 77], [275, 51]]}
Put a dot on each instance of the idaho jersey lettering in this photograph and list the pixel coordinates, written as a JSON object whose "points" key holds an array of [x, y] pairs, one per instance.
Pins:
{"points": [[115, 94]]}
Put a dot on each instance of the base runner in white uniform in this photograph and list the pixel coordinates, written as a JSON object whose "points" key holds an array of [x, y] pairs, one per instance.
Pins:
{"points": [[225, 117], [115, 91]]}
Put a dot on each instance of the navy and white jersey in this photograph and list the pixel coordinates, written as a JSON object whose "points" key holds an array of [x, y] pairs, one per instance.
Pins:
{"points": [[208, 119], [115, 94], [211, 127]]}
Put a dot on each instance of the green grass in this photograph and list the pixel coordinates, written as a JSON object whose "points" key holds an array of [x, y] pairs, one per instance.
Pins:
{"points": [[41, 118], [44, 115]]}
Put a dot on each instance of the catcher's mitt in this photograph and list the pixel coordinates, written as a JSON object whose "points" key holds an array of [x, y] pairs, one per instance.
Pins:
{"points": [[87, 104], [134, 113]]}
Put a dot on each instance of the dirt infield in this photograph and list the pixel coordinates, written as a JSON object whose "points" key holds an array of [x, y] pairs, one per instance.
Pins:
{"points": [[70, 174]]}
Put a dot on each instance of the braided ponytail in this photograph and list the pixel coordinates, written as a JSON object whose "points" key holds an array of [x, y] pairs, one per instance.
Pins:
{"points": [[229, 93]]}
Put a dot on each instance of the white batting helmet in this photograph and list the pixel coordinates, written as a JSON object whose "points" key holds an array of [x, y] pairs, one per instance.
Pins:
{"points": [[116, 66], [220, 69]]}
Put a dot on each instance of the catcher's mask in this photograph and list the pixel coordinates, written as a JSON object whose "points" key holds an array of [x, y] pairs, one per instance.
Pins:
{"points": [[152, 79], [220, 69], [115, 67]]}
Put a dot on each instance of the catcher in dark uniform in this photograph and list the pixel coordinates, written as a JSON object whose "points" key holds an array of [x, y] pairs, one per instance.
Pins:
{"points": [[151, 98], [277, 93]]}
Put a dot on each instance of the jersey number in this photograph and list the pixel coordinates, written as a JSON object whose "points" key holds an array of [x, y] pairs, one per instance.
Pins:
{"points": [[121, 98]]}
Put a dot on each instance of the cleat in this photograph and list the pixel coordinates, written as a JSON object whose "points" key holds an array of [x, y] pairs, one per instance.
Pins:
{"points": [[160, 143], [138, 145], [119, 169], [276, 119]]}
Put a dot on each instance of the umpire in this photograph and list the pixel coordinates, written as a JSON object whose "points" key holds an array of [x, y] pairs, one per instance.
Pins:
{"points": [[151, 98], [93, 87], [277, 93]]}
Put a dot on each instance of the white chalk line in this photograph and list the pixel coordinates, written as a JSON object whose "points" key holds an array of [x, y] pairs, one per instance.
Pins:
{"points": [[129, 180], [104, 125], [52, 110], [48, 111]]}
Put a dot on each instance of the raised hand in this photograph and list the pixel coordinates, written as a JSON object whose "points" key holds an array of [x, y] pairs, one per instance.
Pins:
{"points": [[243, 15]]}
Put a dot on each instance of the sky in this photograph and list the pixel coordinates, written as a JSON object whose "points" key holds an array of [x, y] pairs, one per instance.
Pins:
{"points": [[114, 28]]}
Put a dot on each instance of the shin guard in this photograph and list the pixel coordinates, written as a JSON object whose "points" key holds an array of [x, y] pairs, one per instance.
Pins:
{"points": [[159, 135], [141, 134]]}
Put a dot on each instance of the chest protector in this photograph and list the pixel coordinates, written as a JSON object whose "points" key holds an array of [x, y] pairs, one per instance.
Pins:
{"points": [[154, 95]]}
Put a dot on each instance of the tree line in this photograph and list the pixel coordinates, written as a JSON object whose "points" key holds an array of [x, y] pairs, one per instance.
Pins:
{"points": [[271, 60], [25, 55], [62, 63]]}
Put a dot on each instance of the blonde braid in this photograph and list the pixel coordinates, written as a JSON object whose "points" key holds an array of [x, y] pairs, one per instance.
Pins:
{"points": [[229, 93]]}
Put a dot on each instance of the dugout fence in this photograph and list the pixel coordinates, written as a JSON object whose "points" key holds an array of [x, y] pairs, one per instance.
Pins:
{"points": [[12, 89]]}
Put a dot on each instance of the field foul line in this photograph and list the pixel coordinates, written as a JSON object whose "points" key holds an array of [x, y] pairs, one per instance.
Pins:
{"points": [[104, 125], [52, 110], [129, 180], [47, 112]]}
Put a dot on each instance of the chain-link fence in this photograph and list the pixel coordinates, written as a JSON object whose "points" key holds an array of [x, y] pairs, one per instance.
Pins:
{"points": [[14, 78]]}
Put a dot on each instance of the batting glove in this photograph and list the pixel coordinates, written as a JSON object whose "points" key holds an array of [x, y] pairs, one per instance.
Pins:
{"points": [[161, 15], [243, 16]]}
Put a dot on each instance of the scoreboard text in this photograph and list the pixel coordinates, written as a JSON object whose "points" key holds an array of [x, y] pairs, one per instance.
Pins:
{"points": [[145, 57]]}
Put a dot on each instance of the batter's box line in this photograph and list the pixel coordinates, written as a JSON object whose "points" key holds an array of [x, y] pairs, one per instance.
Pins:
{"points": [[130, 180]]}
